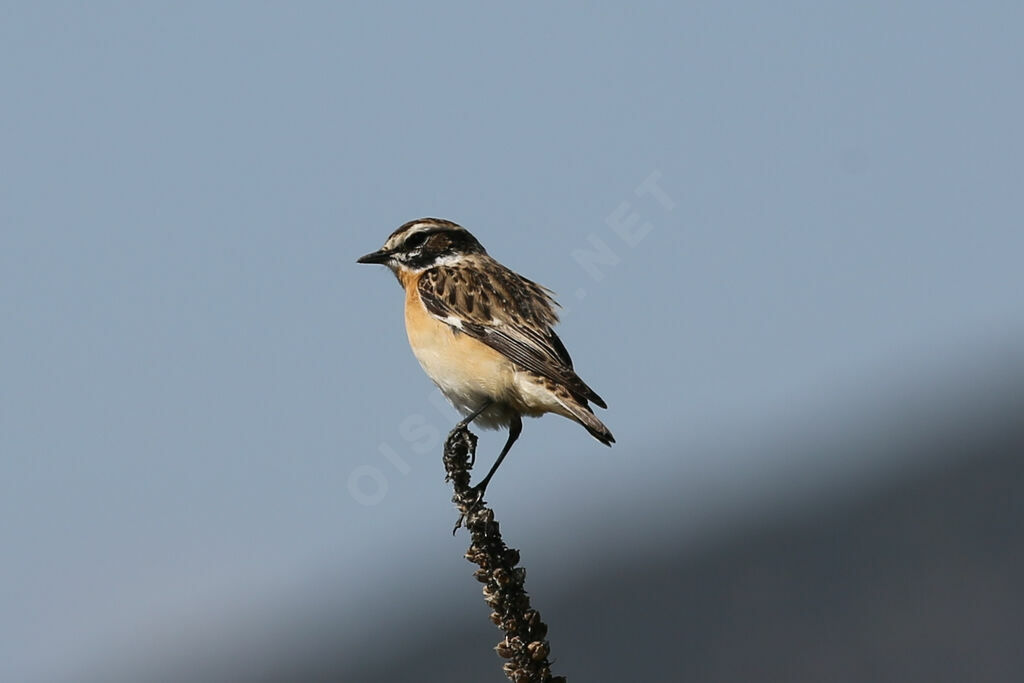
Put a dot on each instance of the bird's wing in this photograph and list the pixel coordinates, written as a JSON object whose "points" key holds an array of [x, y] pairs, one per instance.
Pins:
{"points": [[509, 313]]}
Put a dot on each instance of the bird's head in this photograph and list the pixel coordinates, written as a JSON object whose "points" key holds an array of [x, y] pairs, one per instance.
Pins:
{"points": [[423, 244]]}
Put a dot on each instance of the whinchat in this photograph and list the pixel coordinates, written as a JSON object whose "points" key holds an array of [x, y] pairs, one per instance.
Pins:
{"points": [[483, 333]]}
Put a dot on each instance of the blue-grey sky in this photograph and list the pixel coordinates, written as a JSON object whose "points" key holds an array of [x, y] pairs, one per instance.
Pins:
{"points": [[205, 401]]}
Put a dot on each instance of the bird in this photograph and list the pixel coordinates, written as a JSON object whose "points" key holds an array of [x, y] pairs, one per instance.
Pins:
{"points": [[483, 333]]}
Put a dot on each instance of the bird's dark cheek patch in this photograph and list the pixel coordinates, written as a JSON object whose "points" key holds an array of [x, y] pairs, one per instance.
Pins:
{"points": [[438, 243]]}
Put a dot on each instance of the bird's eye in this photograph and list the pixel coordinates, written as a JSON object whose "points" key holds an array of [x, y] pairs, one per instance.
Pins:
{"points": [[416, 240]]}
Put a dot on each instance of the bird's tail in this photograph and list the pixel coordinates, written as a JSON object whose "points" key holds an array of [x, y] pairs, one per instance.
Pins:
{"points": [[585, 416]]}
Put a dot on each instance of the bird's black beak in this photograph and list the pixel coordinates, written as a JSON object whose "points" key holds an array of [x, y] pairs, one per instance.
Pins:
{"points": [[381, 256]]}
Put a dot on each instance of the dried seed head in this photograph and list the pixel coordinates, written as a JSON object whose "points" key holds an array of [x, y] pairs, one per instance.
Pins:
{"points": [[524, 647], [502, 576], [504, 650], [538, 650]]}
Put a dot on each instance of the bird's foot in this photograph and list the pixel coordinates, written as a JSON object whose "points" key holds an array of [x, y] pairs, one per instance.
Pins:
{"points": [[463, 426]]}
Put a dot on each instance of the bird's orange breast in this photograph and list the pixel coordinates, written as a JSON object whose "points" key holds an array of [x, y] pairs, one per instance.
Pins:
{"points": [[466, 370]]}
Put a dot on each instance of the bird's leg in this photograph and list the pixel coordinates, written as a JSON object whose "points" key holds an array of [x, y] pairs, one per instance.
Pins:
{"points": [[472, 416], [515, 428]]}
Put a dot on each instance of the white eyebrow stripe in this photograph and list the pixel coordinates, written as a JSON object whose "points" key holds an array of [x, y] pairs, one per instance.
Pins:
{"points": [[412, 230]]}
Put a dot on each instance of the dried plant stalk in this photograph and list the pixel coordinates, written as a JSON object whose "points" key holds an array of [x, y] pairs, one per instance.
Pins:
{"points": [[525, 645]]}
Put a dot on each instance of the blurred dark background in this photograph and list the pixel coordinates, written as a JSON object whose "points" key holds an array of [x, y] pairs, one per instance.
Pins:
{"points": [[911, 576]]}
